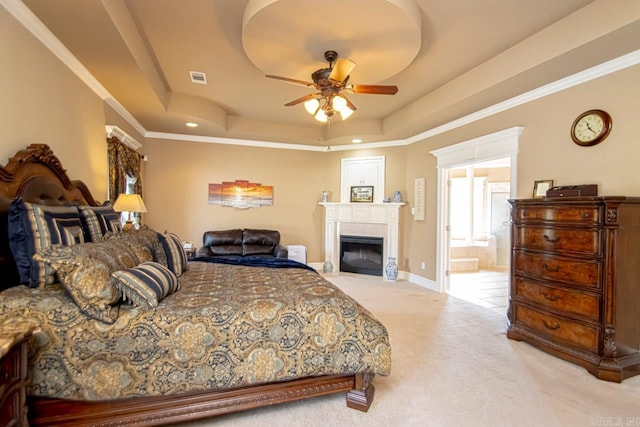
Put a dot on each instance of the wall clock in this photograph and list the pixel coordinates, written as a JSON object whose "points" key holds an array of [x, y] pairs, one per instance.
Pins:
{"points": [[591, 127]]}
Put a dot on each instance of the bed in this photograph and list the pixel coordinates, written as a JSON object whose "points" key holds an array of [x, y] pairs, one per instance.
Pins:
{"points": [[220, 338]]}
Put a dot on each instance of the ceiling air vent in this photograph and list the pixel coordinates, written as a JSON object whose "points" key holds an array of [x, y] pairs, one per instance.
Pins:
{"points": [[198, 77]]}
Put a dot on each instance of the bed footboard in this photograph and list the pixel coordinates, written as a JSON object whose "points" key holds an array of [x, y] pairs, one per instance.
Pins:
{"points": [[160, 410]]}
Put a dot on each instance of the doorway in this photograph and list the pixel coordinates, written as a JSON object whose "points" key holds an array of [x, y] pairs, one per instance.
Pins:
{"points": [[479, 233], [499, 145]]}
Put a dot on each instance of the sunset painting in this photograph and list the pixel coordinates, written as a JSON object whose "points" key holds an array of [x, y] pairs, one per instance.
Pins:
{"points": [[240, 194]]}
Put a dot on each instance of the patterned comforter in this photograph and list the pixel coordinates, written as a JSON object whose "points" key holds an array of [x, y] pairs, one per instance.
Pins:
{"points": [[227, 327]]}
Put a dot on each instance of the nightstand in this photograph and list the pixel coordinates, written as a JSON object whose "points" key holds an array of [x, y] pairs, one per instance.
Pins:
{"points": [[13, 374]]}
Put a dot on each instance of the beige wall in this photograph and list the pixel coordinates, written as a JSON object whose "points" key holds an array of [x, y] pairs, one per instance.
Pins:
{"points": [[546, 152], [177, 175], [42, 101]]}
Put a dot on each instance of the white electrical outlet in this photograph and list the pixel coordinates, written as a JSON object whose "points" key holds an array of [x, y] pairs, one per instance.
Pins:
{"points": [[423, 265]]}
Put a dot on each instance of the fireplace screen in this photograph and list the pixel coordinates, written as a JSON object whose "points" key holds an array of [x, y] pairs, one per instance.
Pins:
{"points": [[359, 254]]}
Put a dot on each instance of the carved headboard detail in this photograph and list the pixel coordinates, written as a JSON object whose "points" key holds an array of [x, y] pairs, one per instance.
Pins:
{"points": [[36, 175]]}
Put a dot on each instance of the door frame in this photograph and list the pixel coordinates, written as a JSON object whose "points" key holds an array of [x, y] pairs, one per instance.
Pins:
{"points": [[497, 145]]}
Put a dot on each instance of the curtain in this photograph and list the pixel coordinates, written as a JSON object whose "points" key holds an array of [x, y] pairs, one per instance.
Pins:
{"points": [[124, 169]]}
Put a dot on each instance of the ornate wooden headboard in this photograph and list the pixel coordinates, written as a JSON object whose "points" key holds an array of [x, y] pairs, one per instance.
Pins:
{"points": [[36, 175]]}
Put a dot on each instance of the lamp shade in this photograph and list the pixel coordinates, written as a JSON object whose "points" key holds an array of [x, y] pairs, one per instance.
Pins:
{"points": [[129, 203]]}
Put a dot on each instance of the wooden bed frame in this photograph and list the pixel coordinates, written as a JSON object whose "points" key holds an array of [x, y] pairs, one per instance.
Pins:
{"points": [[37, 175]]}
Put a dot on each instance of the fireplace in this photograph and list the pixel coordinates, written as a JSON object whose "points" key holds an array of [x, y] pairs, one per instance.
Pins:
{"points": [[361, 254], [370, 220]]}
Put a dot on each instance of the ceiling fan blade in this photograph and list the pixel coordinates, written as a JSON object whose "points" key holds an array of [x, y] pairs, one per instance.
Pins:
{"points": [[301, 99], [341, 69], [287, 79], [374, 89]]}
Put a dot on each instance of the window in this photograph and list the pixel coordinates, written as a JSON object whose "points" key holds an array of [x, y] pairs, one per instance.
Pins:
{"points": [[469, 216]]}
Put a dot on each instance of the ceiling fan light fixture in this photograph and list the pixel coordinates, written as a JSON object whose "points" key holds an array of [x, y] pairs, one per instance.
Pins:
{"points": [[329, 82], [345, 112], [321, 116], [312, 106], [339, 103]]}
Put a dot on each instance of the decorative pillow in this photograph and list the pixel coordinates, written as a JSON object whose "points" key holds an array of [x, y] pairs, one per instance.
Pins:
{"points": [[33, 227], [85, 272], [98, 220], [144, 242], [176, 258], [146, 284]]}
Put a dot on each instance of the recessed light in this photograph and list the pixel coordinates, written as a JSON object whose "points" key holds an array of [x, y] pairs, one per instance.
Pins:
{"points": [[356, 141], [192, 125]]}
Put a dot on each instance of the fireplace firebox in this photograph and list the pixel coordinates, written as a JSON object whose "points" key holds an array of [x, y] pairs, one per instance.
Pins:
{"points": [[361, 254]]}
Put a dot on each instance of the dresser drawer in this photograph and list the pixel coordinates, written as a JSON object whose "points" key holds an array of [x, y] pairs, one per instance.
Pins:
{"points": [[560, 329], [565, 214], [579, 241], [568, 301], [581, 273]]}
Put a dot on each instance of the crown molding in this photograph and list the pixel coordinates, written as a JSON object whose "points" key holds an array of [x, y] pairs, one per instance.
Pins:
{"points": [[42, 33], [125, 138]]}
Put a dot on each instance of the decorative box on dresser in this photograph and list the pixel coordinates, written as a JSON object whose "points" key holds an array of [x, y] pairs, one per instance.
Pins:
{"points": [[13, 374], [575, 281]]}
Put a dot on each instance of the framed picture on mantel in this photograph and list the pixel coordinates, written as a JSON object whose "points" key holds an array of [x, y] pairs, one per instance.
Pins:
{"points": [[362, 194]]}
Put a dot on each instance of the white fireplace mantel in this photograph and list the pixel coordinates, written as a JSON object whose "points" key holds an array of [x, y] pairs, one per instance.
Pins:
{"points": [[361, 219]]}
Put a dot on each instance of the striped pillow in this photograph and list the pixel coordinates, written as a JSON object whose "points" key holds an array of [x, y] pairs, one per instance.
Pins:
{"points": [[147, 284], [176, 258], [98, 220], [33, 227]]}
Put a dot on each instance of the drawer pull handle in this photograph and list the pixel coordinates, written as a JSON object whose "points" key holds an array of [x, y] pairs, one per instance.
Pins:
{"points": [[586, 215], [549, 326], [550, 270], [550, 297], [550, 240], [525, 213]]}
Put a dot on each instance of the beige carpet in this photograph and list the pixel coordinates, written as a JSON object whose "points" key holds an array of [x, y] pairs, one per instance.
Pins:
{"points": [[454, 366]]}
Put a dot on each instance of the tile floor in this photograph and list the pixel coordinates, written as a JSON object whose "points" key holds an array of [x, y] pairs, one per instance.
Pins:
{"points": [[486, 288]]}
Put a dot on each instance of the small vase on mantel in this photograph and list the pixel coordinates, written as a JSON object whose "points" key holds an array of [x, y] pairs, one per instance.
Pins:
{"points": [[391, 268], [397, 197]]}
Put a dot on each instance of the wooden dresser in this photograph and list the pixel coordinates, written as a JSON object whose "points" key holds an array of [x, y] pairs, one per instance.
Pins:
{"points": [[575, 281], [13, 374]]}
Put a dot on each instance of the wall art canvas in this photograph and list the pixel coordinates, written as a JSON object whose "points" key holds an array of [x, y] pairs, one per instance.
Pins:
{"points": [[240, 194]]}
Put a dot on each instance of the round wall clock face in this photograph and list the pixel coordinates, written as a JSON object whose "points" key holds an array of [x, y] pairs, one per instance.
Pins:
{"points": [[591, 127]]}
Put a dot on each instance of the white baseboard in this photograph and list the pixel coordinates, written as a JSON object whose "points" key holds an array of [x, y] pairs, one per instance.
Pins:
{"points": [[317, 266], [402, 275], [423, 282]]}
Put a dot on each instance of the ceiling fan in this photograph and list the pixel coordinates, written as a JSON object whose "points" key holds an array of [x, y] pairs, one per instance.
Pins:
{"points": [[331, 83]]}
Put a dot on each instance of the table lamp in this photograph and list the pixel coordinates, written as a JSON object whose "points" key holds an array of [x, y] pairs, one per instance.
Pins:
{"points": [[129, 203]]}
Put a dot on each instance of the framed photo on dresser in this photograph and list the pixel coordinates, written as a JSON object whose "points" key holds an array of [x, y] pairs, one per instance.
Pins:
{"points": [[540, 188]]}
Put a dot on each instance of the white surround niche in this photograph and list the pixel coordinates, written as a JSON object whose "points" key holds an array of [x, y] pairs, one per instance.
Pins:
{"points": [[361, 219]]}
